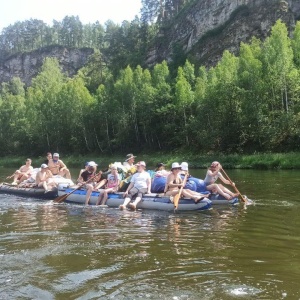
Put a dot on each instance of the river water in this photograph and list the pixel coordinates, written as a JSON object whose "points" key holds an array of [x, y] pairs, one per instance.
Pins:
{"points": [[73, 252]]}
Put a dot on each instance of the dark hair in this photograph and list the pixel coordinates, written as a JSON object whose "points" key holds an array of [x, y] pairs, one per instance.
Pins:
{"points": [[160, 165]]}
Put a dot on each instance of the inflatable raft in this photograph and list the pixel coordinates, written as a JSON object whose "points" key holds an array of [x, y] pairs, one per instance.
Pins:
{"points": [[6, 188], [149, 201]]}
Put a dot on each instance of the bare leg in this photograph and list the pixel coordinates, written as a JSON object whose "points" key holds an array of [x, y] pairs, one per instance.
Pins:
{"points": [[88, 193], [105, 195], [190, 194], [216, 188], [65, 173], [51, 184], [100, 184], [227, 191], [100, 198], [16, 176], [23, 178], [172, 193], [135, 203], [126, 201], [45, 186], [198, 195]]}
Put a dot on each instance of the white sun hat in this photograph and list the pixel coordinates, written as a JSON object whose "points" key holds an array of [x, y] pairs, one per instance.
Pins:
{"points": [[175, 165], [92, 164], [184, 166]]}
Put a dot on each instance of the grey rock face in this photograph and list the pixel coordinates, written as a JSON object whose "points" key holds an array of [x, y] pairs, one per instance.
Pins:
{"points": [[27, 65], [211, 26]]}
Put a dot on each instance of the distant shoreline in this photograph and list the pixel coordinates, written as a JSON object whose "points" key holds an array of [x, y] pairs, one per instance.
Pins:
{"points": [[263, 161]]}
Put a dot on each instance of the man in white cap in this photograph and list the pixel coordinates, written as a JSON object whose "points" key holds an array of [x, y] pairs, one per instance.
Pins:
{"points": [[140, 184], [43, 178], [57, 167]]}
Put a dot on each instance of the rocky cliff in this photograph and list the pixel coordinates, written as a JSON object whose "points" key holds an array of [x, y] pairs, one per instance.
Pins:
{"points": [[208, 27], [27, 65]]}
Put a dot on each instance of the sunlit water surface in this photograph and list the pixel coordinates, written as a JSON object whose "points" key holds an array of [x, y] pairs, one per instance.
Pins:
{"points": [[73, 252]]}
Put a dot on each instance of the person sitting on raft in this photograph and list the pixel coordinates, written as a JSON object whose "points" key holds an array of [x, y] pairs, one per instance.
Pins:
{"points": [[111, 185], [57, 167], [174, 183], [129, 161], [89, 180], [48, 157], [213, 173], [86, 165], [44, 178], [23, 173], [140, 184], [128, 164], [160, 170]]}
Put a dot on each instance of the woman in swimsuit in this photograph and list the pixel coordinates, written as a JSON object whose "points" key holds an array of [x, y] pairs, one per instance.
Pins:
{"points": [[174, 183]]}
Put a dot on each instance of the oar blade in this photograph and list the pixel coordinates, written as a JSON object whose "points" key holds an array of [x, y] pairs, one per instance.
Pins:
{"points": [[60, 199], [176, 201]]}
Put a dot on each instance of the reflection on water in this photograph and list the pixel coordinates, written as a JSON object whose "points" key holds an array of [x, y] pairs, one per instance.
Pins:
{"points": [[74, 252]]}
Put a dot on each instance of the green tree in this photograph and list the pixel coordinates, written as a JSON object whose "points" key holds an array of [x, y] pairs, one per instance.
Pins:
{"points": [[296, 44], [278, 62], [43, 106], [184, 98], [126, 110], [163, 106], [144, 99], [73, 118], [254, 104], [12, 117]]}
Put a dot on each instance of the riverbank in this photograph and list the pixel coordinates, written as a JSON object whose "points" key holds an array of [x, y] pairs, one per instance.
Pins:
{"points": [[235, 161]]}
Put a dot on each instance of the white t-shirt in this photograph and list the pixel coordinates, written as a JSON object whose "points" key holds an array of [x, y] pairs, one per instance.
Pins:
{"points": [[140, 180], [211, 179]]}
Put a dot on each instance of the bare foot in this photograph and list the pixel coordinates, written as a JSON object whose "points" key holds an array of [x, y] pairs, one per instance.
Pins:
{"points": [[121, 207], [132, 205], [199, 199], [228, 197]]}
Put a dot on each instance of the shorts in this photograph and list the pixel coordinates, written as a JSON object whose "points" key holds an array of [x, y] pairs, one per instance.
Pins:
{"points": [[134, 192], [89, 184]]}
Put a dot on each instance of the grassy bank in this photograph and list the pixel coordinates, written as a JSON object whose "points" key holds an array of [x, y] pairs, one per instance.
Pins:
{"points": [[255, 161]]}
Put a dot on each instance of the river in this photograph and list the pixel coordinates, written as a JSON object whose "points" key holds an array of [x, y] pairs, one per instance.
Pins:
{"points": [[73, 252]]}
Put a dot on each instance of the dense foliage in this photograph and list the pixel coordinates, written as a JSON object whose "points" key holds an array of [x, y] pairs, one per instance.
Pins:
{"points": [[120, 45], [244, 104]]}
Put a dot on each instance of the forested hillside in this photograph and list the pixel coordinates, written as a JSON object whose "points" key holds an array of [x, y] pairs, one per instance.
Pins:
{"points": [[246, 103]]}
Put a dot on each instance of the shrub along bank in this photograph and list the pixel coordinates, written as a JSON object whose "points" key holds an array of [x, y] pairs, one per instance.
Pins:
{"points": [[234, 161]]}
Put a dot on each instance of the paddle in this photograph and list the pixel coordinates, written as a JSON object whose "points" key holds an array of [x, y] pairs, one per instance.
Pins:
{"points": [[243, 198], [11, 176], [62, 198], [177, 196]]}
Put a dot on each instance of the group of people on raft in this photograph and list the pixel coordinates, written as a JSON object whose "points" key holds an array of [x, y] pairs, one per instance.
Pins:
{"points": [[44, 176], [138, 180]]}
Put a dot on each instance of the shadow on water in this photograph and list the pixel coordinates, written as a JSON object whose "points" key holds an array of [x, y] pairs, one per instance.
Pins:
{"points": [[75, 252]]}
